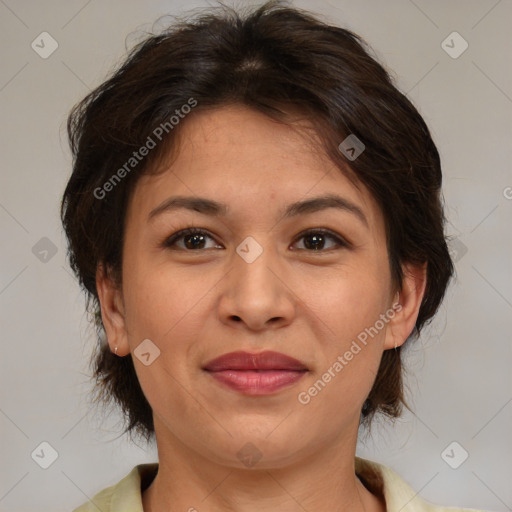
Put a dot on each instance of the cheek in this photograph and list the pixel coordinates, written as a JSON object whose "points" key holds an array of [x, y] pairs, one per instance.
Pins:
{"points": [[157, 301], [345, 300], [347, 309], [349, 346], [163, 306]]}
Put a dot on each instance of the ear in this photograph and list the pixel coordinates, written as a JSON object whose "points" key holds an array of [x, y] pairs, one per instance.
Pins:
{"points": [[112, 311], [406, 305]]}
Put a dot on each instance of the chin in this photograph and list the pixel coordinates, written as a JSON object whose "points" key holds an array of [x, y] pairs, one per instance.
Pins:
{"points": [[261, 447]]}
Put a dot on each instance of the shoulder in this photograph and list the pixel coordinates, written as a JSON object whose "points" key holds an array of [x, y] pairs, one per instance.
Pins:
{"points": [[398, 495], [126, 495]]}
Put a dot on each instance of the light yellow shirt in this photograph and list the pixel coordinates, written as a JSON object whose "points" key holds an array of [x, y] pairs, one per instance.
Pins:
{"points": [[126, 495]]}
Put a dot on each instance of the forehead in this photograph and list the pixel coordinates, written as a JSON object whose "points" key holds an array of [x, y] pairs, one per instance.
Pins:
{"points": [[241, 157]]}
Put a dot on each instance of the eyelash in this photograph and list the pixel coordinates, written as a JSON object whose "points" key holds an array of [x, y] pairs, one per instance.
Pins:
{"points": [[170, 241]]}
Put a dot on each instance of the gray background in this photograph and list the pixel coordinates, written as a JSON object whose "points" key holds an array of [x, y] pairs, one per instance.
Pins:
{"points": [[460, 370]]}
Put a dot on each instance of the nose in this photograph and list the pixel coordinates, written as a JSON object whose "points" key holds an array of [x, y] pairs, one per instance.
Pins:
{"points": [[257, 293]]}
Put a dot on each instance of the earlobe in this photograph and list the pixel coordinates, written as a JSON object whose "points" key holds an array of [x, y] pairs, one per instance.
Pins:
{"points": [[112, 311], [408, 305]]}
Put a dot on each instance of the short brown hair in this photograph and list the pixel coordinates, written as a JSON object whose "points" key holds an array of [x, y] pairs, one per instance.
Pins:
{"points": [[269, 58]]}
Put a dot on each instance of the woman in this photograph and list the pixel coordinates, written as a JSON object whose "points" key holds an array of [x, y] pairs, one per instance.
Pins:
{"points": [[255, 214]]}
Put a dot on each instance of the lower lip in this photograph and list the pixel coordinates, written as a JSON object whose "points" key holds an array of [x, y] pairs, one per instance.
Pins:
{"points": [[261, 382]]}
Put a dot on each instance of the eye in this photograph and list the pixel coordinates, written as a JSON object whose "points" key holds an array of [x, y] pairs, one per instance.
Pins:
{"points": [[315, 240], [196, 239]]}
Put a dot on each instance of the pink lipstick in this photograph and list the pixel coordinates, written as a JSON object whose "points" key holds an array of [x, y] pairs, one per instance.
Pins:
{"points": [[256, 374]]}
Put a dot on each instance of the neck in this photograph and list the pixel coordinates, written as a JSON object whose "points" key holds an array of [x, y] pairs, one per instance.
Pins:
{"points": [[325, 480]]}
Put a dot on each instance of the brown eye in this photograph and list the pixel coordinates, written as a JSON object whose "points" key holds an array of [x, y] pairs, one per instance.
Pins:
{"points": [[315, 240], [193, 239]]}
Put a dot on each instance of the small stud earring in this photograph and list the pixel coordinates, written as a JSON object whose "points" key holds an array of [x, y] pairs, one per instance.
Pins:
{"points": [[115, 351]]}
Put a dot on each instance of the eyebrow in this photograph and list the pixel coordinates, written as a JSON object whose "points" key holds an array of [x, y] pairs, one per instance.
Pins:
{"points": [[214, 208]]}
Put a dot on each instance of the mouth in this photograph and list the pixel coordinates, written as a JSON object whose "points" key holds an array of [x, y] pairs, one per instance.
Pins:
{"points": [[256, 374]]}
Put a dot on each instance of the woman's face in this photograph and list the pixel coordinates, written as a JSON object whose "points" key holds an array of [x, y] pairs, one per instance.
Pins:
{"points": [[253, 282]]}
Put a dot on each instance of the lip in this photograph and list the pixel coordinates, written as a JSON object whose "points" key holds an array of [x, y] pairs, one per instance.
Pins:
{"points": [[267, 360], [256, 373]]}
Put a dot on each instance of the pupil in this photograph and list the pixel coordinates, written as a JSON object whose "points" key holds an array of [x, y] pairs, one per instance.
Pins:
{"points": [[317, 238], [197, 238]]}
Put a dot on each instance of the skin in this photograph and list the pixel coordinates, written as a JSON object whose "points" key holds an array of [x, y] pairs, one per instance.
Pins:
{"points": [[310, 305]]}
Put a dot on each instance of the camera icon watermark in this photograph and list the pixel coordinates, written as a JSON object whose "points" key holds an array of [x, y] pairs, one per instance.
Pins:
{"points": [[457, 249], [507, 193], [147, 352], [454, 45], [249, 455], [44, 455], [454, 455], [249, 249], [351, 147], [44, 45], [44, 250]]}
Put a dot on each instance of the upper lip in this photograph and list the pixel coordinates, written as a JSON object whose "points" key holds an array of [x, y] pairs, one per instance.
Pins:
{"points": [[241, 360]]}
